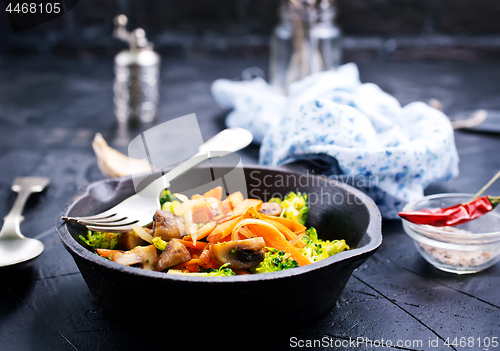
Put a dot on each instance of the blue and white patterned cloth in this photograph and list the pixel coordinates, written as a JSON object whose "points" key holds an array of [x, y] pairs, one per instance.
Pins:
{"points": [[366, 134]]}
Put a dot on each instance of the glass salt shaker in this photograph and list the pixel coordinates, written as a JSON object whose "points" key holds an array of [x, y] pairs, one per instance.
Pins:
{"points": [[137, 77], [306, 41]]}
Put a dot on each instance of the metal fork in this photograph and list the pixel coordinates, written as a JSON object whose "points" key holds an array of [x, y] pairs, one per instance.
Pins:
{"points": [[140, 208]]}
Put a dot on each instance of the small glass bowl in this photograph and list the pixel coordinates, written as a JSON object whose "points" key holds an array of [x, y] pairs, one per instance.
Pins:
{"points": [[467, 248]]}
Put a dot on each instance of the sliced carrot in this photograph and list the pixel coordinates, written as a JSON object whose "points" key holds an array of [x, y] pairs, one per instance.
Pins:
{"points": [[200, 245], [194, 265], [205, 255], [226, 207], [194, 268], [106, 252], [190, 204], [195, 253], [212, 263], [213, 210], [231, 202], [196, 197], [227, 211], [236, 198], [215, 192], [253, 213], [224, 239], [222, 218], [200, 217], [241, 224], [245, 205], [289, 235], [223, 229], [205, 230], [191, 262], [202, 213], [274, 238], [295, 227]]}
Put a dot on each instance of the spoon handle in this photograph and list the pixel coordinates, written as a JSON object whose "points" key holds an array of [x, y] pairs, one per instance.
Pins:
{"points": [[14, 218], [24, 187], [225, 142]]}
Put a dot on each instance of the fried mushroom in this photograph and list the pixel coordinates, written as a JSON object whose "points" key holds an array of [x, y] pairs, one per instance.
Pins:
{"points": [[168, 226], [129, 240], [240, 254], [271, 209], [146, 256], [175, 253]]}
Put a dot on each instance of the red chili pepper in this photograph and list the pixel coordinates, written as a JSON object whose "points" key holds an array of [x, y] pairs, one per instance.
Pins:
{"points": [[453, 215]]}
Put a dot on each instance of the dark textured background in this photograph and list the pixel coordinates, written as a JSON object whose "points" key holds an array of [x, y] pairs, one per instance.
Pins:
{"points": [[56, 93], [461, 30], [49, 113]]}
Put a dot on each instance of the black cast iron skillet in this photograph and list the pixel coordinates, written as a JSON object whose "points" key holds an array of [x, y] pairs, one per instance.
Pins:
{"points": [[294, 296]]}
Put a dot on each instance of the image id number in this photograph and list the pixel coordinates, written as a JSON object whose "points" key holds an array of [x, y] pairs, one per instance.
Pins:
{"points": [[472, 342], [32, 7]]}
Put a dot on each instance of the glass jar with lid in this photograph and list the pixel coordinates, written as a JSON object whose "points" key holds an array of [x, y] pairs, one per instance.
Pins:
{"points": [[306, 41]]}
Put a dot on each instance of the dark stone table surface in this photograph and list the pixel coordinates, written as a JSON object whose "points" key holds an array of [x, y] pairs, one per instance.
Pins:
{"points": [[49, 113]]}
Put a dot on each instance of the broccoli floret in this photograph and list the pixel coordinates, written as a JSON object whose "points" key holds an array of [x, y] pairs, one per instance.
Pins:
{"points": [[274, 261], [99, 240], [223, 271], [159, 243], [317, 249], [167, 196], [295, 207], [311, 236]]}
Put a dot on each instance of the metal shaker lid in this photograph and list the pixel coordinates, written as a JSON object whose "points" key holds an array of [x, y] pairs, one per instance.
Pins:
{"points": [[136, 38]]}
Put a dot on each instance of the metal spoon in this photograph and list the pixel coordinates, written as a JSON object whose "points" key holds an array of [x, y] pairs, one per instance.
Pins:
{"points": [[15, 248]]}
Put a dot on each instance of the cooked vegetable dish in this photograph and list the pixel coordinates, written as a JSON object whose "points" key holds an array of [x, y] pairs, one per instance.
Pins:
{"points": [[208, 236]]}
